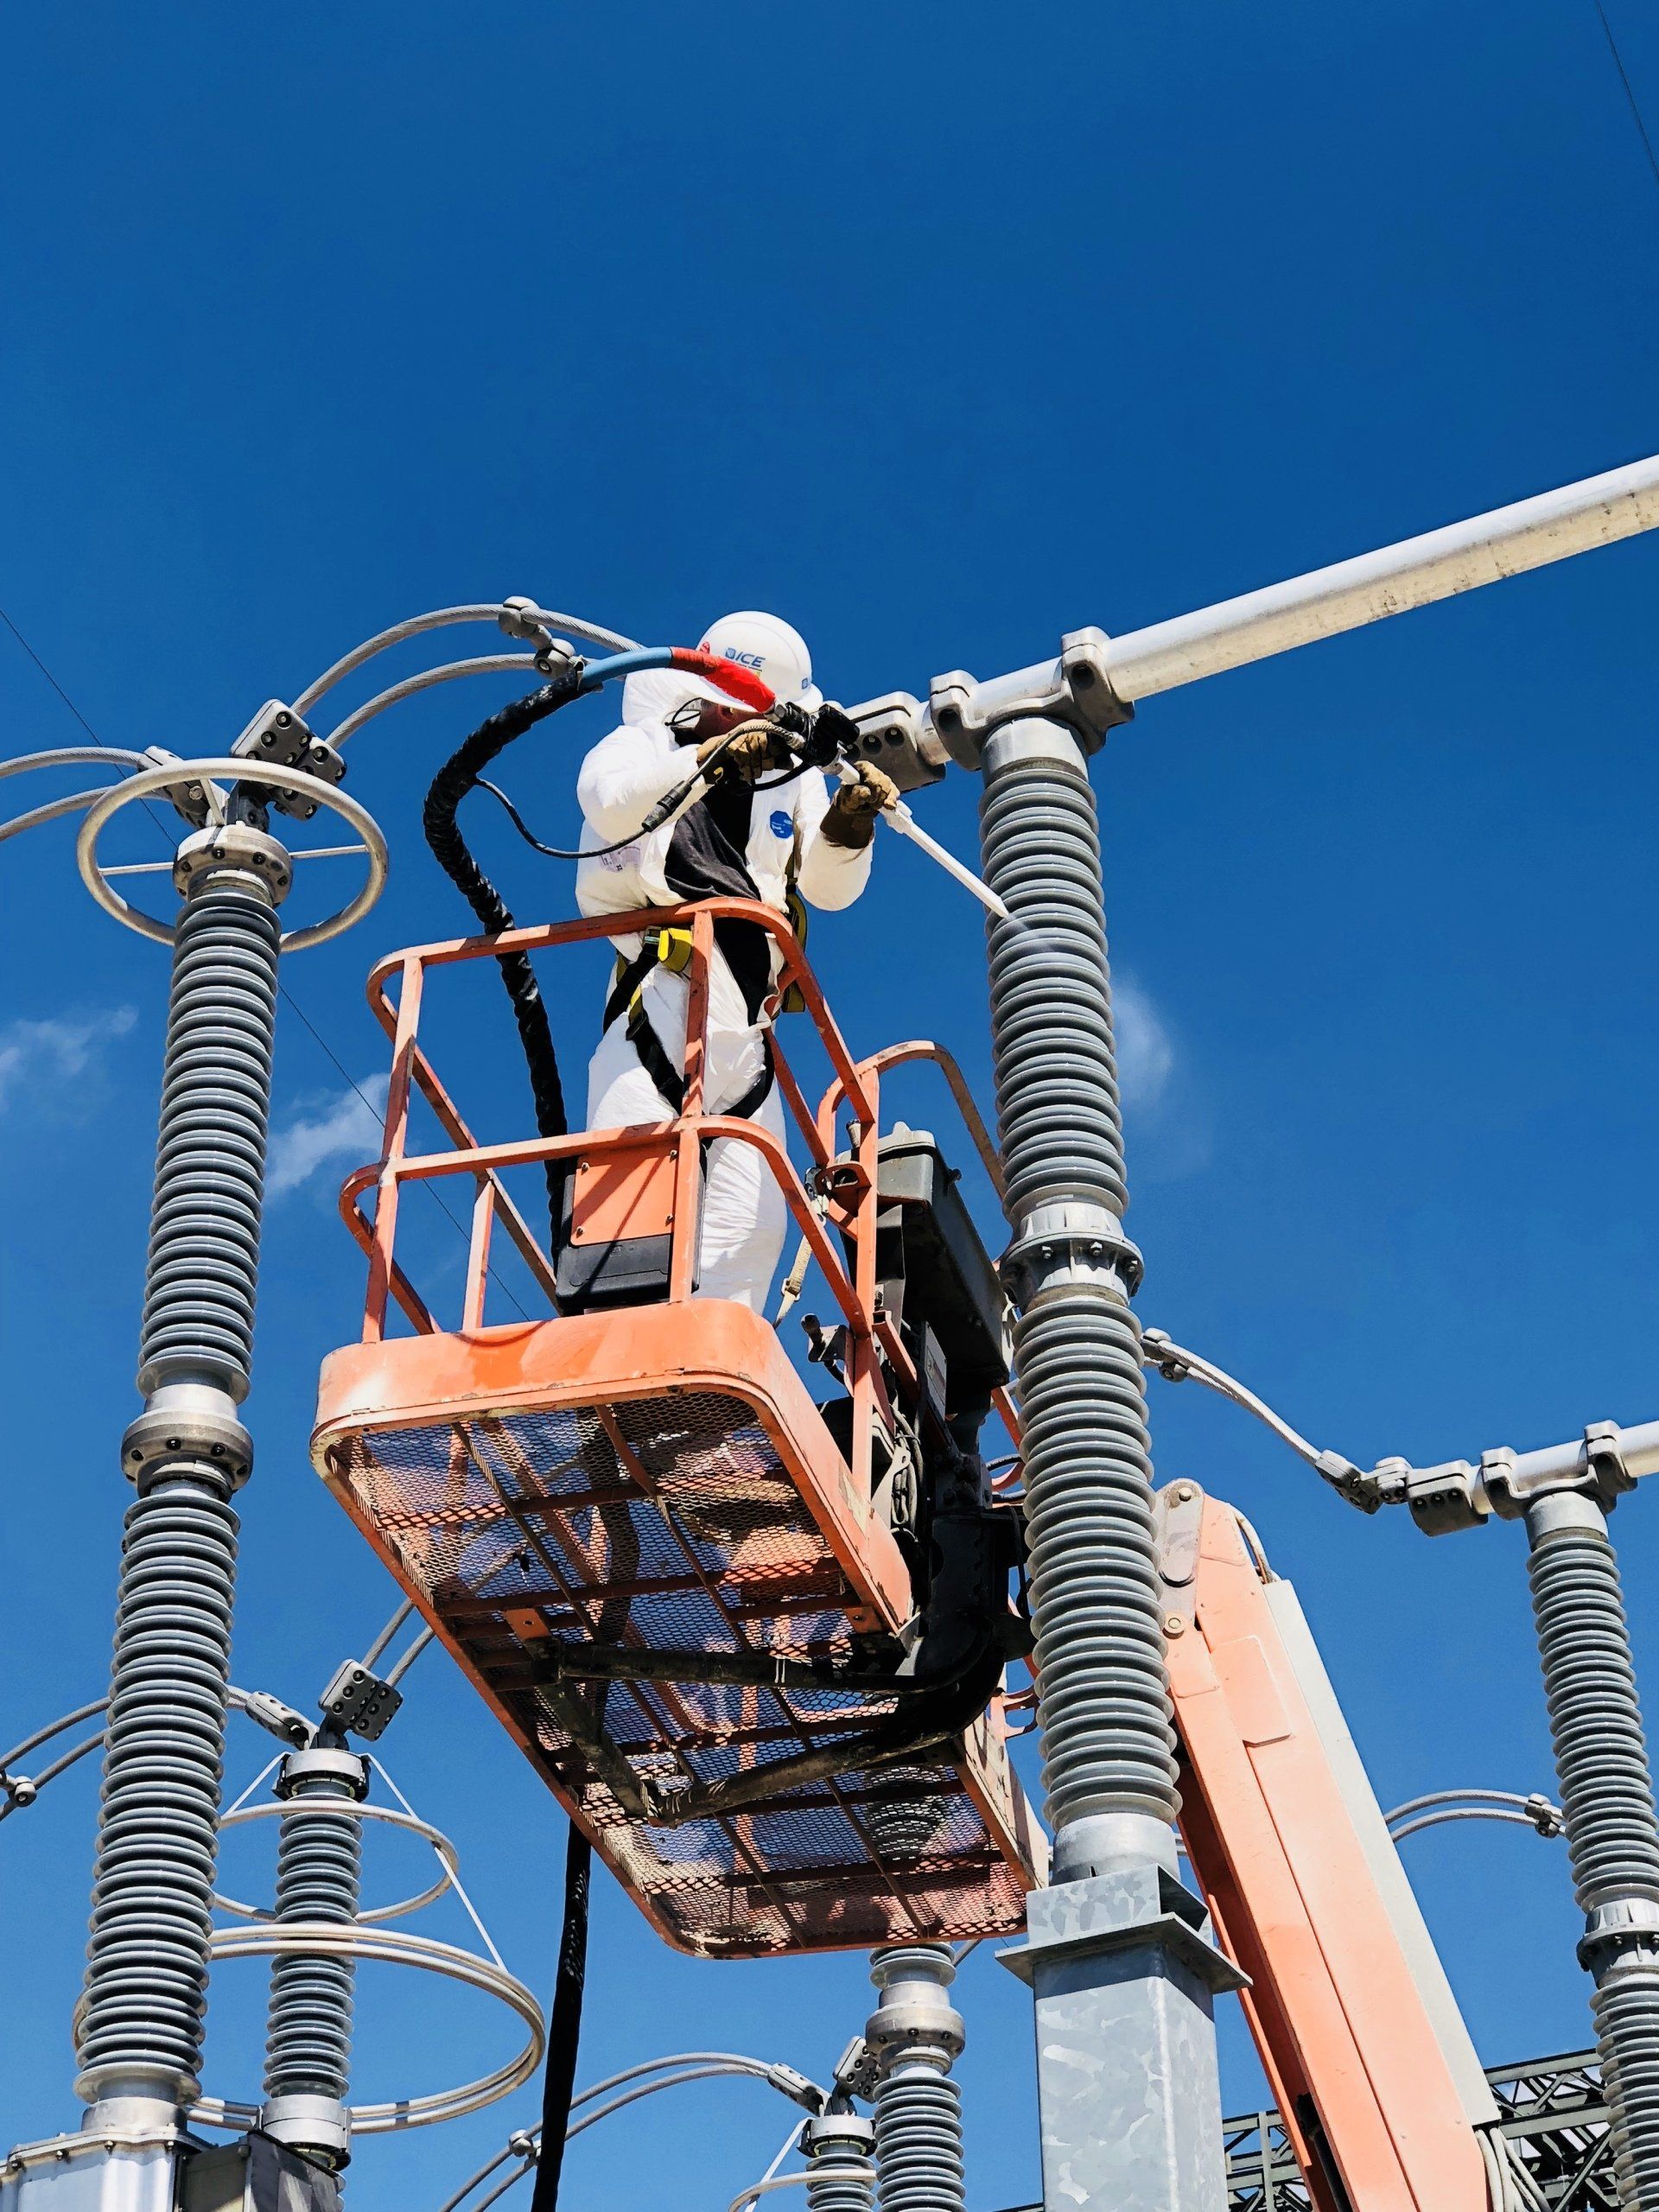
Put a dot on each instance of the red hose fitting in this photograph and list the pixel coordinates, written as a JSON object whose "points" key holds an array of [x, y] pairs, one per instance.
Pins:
{"points": [[729, 675]]}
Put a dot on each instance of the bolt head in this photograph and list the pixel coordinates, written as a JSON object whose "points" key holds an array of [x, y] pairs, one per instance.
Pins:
{"points": [[1173, 1625]]}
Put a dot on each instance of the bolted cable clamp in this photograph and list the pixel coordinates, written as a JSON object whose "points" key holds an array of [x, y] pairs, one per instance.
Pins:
{"points": [[1369, 1492], [359, 1703], [520, 618], [1545, 1815], [896, 735], [282, 739], [278, 1719], [188, 799], [797, 2088], [856, 2070]]}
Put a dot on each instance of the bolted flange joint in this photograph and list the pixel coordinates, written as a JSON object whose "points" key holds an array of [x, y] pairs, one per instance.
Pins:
{"points": [[837, 2135], [192, 1440], [1613, 1931], [318, 2126], [1069, 1245], [233, 851], [914, 2012]]}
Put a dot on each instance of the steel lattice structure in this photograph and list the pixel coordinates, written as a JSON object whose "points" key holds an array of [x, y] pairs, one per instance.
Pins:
{"points": [[1552, 2112]]}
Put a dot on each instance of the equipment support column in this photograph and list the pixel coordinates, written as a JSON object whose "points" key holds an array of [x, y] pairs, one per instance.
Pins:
{"points": [[915, 2034], [309, 2031], [841, 2140], [1118, 1953], [1612, 1837], [139, 2029]]}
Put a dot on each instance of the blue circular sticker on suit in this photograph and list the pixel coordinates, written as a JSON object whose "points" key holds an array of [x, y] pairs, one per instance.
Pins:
{"points": [[781, 824]]}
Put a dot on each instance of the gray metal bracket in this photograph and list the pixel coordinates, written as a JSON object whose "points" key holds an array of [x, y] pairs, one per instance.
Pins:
{"points": [[1178, 1518], [1129, 1908], [1076, 690]]}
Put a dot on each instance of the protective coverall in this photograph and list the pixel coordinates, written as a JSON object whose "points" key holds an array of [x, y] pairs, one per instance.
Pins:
{"points": [[733, 841]]}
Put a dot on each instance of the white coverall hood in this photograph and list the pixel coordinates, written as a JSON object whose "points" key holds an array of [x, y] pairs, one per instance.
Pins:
{"points": [[653, 695]]}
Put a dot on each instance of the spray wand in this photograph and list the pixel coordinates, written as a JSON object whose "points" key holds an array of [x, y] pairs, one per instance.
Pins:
{"points": [[899, 816]]}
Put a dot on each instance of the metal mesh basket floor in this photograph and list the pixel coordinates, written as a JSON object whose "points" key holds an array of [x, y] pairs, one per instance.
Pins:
{"points": [[671, 1523]]}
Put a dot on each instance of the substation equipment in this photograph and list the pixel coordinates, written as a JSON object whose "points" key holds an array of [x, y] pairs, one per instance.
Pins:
{"points": [[757, 1641]]}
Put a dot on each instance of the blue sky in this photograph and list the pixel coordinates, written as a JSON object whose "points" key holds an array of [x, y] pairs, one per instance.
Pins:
{"points": [[941, 333]]}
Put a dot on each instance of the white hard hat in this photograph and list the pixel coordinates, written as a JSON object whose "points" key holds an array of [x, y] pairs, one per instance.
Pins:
{"points": [[776, 654]]}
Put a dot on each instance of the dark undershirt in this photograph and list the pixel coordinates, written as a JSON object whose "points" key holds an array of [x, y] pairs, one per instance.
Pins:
{"points": [[708, 858]]}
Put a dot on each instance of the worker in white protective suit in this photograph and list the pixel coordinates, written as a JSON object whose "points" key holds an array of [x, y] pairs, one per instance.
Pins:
{"points": [[730, 840]]}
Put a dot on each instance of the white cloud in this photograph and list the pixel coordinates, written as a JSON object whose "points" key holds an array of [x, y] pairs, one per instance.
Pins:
{"points": [[342, 1130], [39, 1053], [1146, 1052]]}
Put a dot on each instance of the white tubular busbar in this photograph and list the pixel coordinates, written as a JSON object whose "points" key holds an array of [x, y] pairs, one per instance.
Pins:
{"points": [[1415, 573]]}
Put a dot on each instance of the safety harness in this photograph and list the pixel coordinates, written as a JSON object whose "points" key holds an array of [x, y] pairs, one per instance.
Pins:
{"points": [[671, 949]]}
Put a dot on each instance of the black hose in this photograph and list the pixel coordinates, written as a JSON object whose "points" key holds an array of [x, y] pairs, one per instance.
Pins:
{"points": [[458, 776], [668, 804], [564, 2022]]}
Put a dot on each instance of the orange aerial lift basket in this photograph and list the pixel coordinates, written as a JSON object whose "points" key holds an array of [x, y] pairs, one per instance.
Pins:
{"points": [[654, 1479]]}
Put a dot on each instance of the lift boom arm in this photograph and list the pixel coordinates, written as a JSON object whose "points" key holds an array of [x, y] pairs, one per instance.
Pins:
{"points": [[1380, 2088]]}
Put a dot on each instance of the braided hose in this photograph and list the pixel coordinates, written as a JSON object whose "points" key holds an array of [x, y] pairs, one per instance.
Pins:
{"points": [[146, 1974], [1606, 1792], [916, 2034], [210, 1155], [319, 1864], [1108, 1744], [139, 2028]]}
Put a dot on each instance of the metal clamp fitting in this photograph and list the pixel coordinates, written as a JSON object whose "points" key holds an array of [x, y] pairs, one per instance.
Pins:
{"points": [[896, 735], [1072, 1242], [1075, 689], [313, 1765], [1598, 1470], [277, 737], [838, 2134]]}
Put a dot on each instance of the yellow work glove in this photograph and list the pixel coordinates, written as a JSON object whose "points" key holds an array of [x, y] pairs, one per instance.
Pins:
{"points": [[851, 818]]}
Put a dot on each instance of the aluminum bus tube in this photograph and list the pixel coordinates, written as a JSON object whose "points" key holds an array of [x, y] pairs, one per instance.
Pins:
{"points": [[1414, 573], [1638, 1447]]}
